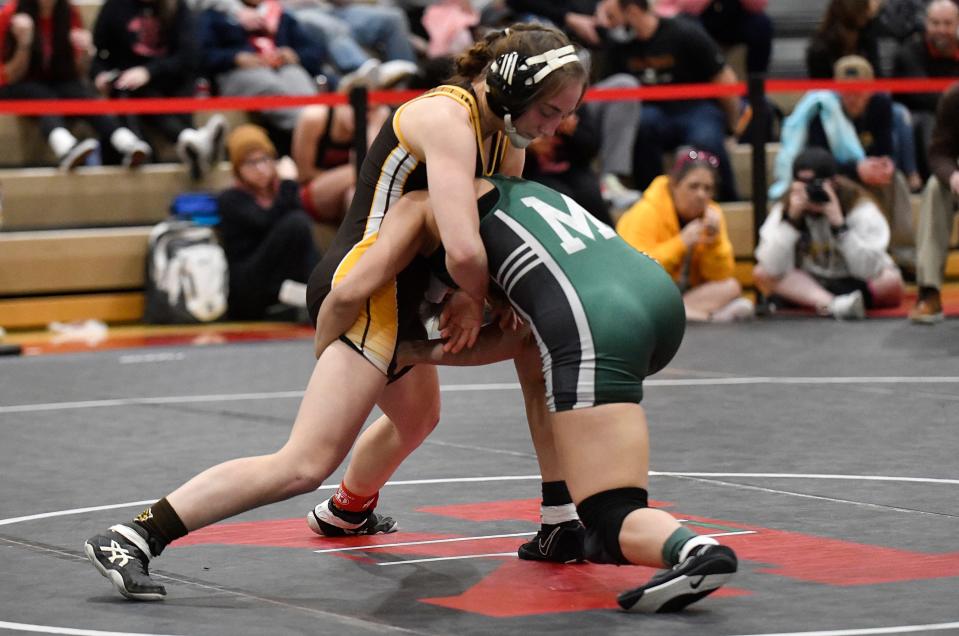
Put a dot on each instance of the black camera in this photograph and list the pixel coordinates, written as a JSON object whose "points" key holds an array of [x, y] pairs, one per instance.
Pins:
{"points": [[816, 192]]}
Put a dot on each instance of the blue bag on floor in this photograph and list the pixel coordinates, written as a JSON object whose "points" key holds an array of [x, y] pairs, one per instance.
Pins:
{"points": [[199, 207]]}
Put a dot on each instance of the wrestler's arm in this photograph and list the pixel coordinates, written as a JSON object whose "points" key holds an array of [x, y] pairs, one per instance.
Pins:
{"points": [[401, 236], [492, 345]]}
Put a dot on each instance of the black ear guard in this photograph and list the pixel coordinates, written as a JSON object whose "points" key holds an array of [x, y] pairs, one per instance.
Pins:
{"points": [[513, 80]]}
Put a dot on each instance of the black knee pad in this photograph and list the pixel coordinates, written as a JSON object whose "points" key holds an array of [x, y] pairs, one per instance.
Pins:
{"points": [[603, 515]]}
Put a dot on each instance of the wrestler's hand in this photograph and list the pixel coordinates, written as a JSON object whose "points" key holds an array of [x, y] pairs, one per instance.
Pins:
{"points": [[460, 321], [503, 314]]}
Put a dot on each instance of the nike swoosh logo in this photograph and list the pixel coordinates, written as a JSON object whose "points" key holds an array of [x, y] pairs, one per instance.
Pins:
{"points": [[544, 545], [695, 585]]}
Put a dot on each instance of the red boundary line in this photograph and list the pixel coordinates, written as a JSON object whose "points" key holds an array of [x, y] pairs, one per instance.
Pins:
{"points": [[649, 93]]}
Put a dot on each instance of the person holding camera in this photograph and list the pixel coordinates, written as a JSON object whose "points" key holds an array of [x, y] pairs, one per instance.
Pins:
{"points": [[678, 224], [859, 128], [824, 244]]}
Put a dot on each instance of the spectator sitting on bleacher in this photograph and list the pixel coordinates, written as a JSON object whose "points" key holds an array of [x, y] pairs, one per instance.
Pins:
{"points": [[577, 18], [346, 61], [660, 51], [900, 19], [857, 128], [266, 235], [934, 53], [351, 30], [731, 22], [322, 150], [274, 57], [147, 48], [848, 27], [678, 224], [564, 162], [937, 211], [616, 122], [45, 54], [824, 244], [851, 27], [449, 25]]}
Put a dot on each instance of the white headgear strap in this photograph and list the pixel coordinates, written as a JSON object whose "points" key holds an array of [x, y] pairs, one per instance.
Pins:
{"points": [[552, 60]]}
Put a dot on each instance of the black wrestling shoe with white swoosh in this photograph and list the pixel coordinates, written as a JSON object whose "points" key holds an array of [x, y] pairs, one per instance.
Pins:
{"points": [[704, 571], [122, 555], [556, 543]]}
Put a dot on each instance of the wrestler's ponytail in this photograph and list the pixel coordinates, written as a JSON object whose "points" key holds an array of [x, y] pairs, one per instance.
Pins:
{"points": [[472, 62]]}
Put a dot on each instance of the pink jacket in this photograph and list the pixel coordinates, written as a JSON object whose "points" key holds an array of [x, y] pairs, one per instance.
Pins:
{"points": [[669, 8]]}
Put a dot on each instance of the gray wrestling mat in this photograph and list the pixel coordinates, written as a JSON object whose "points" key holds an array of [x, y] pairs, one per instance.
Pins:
{"points": [[825, 453]]}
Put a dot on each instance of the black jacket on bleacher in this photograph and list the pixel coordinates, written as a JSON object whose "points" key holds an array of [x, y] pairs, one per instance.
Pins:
{"points": [[679, 52], [129, 33], [915, 59]]}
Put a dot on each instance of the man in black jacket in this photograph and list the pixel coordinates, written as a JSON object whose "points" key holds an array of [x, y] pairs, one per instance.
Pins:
{"points": [[934, 53]]}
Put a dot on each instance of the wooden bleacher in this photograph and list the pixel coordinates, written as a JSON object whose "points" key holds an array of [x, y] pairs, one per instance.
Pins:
{"points": [[44, 198], [62, 275], [73, 246], [95, 268]]}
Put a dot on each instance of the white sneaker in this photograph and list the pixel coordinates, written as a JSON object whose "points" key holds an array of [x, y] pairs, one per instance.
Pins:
{"points": [[213, 140], [736, 309], [616, 194], [391, 73], [78, 154], [848, 307], [135, 151], [138, 155], [292, 293], [365, 75], [188, 150]]}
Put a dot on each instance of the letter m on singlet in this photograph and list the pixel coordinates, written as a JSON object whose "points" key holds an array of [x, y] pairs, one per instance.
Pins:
{"points": [[577, 219]]}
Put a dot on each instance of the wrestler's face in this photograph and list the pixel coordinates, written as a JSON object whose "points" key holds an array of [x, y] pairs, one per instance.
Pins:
{"points": [[545, 115]]}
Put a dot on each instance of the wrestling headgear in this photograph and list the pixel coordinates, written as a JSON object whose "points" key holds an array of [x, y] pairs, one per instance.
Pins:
{"points": [[513, 80]]}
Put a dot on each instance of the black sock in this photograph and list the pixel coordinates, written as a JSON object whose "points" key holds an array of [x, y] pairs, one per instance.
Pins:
{"points": [[162, 525], [555, 493], [557, 507]]}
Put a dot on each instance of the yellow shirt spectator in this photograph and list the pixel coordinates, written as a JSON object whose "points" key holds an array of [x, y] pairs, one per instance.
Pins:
{"points": [[677, 223]]}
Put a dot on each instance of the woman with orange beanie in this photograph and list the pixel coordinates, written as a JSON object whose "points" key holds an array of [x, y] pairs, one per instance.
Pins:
{"points": [[267, 237]]}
